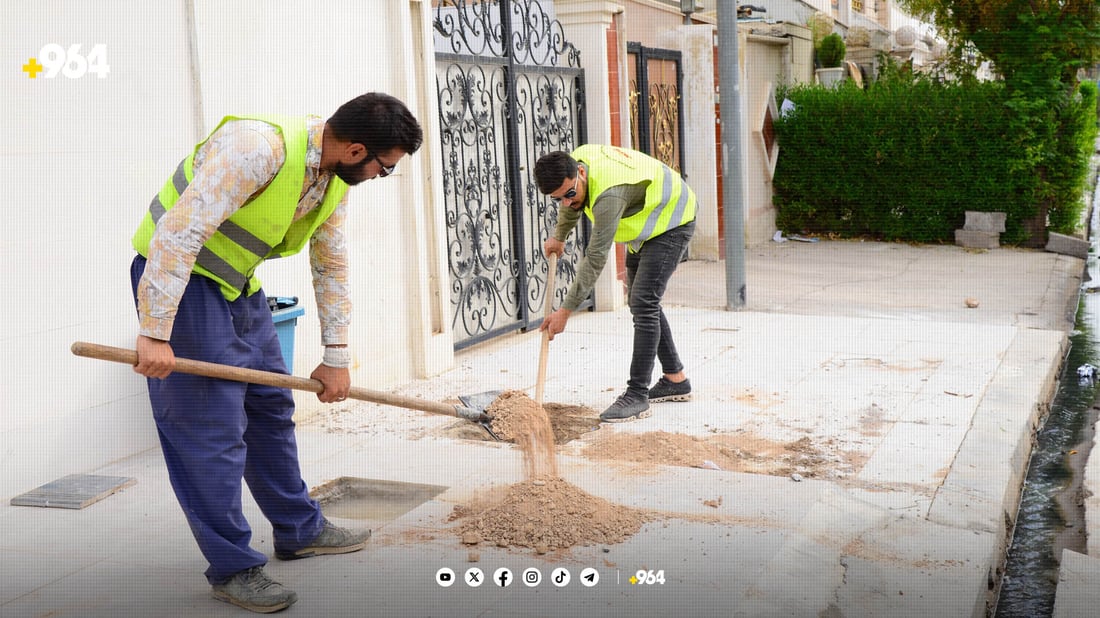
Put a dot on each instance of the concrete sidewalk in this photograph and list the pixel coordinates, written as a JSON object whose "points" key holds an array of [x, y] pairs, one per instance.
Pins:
{"points": [[916, 411]]}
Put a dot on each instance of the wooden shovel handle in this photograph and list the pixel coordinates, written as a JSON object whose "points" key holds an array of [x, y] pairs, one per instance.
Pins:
{"points": [[544, 350], [255, 376]]}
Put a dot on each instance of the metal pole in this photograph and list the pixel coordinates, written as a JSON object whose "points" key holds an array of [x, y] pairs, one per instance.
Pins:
{"points": [[733, 184]]}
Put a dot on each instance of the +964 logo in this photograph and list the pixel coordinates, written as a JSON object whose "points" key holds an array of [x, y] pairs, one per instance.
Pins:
{"points": [[54, 60]]}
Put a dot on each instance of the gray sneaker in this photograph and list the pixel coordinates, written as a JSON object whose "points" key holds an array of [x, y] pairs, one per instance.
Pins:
{"points": [[627, 407], [667, 390], [253, 590], [332, 540]]}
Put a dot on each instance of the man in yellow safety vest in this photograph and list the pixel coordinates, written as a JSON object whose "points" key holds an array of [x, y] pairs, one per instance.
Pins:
{"points": [[635, 199], [259, 187]]}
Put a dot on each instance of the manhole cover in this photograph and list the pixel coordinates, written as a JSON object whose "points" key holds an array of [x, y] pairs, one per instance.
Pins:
{"points": [[75, 491], [349, 497]]}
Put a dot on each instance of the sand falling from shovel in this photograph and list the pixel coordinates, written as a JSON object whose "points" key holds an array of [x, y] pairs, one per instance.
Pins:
{"points": [[519, 418], [544, 512]]}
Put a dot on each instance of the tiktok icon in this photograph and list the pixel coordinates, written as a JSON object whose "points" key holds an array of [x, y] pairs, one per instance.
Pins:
{"points": [[560, 577]]}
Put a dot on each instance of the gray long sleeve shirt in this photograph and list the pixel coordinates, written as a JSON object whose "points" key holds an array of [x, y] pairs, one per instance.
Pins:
{"points": [[612, 205]]}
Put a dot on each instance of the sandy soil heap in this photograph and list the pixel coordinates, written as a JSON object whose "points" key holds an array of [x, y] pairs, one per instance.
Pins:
{"points": [[546, 514]]}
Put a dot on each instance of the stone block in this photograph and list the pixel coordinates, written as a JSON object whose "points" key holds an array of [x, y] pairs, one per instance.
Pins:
{"points": [[1078, 577], [1067, 245], [985, 221], [977, 240]]}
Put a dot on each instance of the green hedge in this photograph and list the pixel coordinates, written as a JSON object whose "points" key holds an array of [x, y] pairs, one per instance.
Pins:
{"points": [[906, 158]]}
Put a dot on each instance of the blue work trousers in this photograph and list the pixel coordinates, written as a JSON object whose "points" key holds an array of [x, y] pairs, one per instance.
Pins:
{"points": [[647, 274], [215, 432]]}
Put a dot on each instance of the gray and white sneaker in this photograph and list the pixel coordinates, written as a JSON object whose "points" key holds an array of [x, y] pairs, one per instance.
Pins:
{"points": [[332, 540], [253, 590], [667, 390], [627, 407]]}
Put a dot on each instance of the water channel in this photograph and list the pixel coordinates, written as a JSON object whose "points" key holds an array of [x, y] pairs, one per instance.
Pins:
{"points": [[1051, 514]]}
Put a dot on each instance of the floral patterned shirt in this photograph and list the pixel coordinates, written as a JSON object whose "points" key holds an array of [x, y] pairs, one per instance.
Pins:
{"points": [[238, 161]]}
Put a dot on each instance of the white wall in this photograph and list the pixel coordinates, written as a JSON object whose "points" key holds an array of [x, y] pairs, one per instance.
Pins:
{"points": [[81, 161], [83, 157], [764, 68], [696, 45]]}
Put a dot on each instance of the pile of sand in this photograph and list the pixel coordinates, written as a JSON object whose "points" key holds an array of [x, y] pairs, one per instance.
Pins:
{"points": [[546, 514]]}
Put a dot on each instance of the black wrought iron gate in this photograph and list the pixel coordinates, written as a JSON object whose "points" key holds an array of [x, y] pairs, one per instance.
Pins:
{"points": [[510, 89]]}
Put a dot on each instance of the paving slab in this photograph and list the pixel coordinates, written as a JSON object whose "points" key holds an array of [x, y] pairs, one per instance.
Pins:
{"points": [[1078, 581]]}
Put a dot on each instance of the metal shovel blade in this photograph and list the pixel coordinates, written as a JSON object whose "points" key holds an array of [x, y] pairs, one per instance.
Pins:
{"points": [[481, 402]]}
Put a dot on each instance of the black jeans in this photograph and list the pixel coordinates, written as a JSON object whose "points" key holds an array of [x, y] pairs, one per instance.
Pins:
{"points": [[647, 275]]}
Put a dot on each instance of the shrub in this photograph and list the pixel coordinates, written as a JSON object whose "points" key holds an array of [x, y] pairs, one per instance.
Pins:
{"points": [[832, 50], [902, 160]]}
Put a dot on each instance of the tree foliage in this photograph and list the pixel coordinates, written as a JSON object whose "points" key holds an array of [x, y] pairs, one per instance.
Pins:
{"points": [[1034, 44]]}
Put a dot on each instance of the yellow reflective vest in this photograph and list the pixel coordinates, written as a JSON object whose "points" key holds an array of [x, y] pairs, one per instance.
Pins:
{"points": [[669, 201], [263, 228]]}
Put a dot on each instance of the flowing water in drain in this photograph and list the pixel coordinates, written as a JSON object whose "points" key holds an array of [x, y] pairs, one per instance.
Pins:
{"points": [[1050, 516]]}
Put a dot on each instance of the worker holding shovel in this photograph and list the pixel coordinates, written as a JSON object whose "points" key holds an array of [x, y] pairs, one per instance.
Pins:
{"points": [[258, 187], [635, 199]]}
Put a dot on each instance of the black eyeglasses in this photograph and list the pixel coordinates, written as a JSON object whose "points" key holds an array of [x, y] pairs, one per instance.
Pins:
{"points": [[570, 194], [386, 169]]}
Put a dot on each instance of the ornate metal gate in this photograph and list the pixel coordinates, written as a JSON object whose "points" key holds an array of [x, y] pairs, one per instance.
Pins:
{"points": [[510, 89], [656, 118]]}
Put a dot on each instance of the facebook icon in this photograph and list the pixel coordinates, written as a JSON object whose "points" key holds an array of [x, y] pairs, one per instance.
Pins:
{"points": [[502, 577]]}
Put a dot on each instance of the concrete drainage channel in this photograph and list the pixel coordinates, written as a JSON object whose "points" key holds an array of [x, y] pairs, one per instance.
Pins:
{"points": [[1051, 513]]}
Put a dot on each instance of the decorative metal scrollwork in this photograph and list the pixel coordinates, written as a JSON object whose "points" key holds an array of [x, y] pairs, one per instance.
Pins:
{"points": [[664, 114], [510, 89], [655, 119]]}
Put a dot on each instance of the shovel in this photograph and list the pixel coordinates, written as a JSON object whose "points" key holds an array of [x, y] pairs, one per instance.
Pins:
{"points": [[268, 378], [544, 350]]}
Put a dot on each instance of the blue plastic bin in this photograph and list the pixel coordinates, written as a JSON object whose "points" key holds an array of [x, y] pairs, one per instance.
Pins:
{"points": [[285, 320]]}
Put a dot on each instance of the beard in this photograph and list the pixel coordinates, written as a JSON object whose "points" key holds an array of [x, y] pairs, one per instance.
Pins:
{"points": [[351, 174]]}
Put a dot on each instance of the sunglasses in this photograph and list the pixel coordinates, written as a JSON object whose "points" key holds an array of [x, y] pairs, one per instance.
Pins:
{"points": [[570, 194], [386, 169]]}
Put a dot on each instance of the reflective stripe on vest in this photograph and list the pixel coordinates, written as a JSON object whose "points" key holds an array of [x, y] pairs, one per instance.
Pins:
{"points": [[207, 258], [669, 201]]}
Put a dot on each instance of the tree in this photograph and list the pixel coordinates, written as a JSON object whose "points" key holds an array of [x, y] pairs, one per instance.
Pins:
{"points": [[1037, 47], [1032, 43]]}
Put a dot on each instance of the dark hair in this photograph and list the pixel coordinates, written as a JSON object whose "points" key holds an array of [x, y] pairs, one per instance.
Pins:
{"points": [[379, 122], [552, 169]]}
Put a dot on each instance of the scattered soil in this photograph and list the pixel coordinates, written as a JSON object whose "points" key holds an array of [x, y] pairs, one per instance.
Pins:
{"points": [[741, 452], [545, 514], [568, 423], [518, 418]]}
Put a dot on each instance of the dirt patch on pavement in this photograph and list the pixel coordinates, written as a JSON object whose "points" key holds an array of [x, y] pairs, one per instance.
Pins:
{"points": [[545, 514], [568, 422], [741, 452]]}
